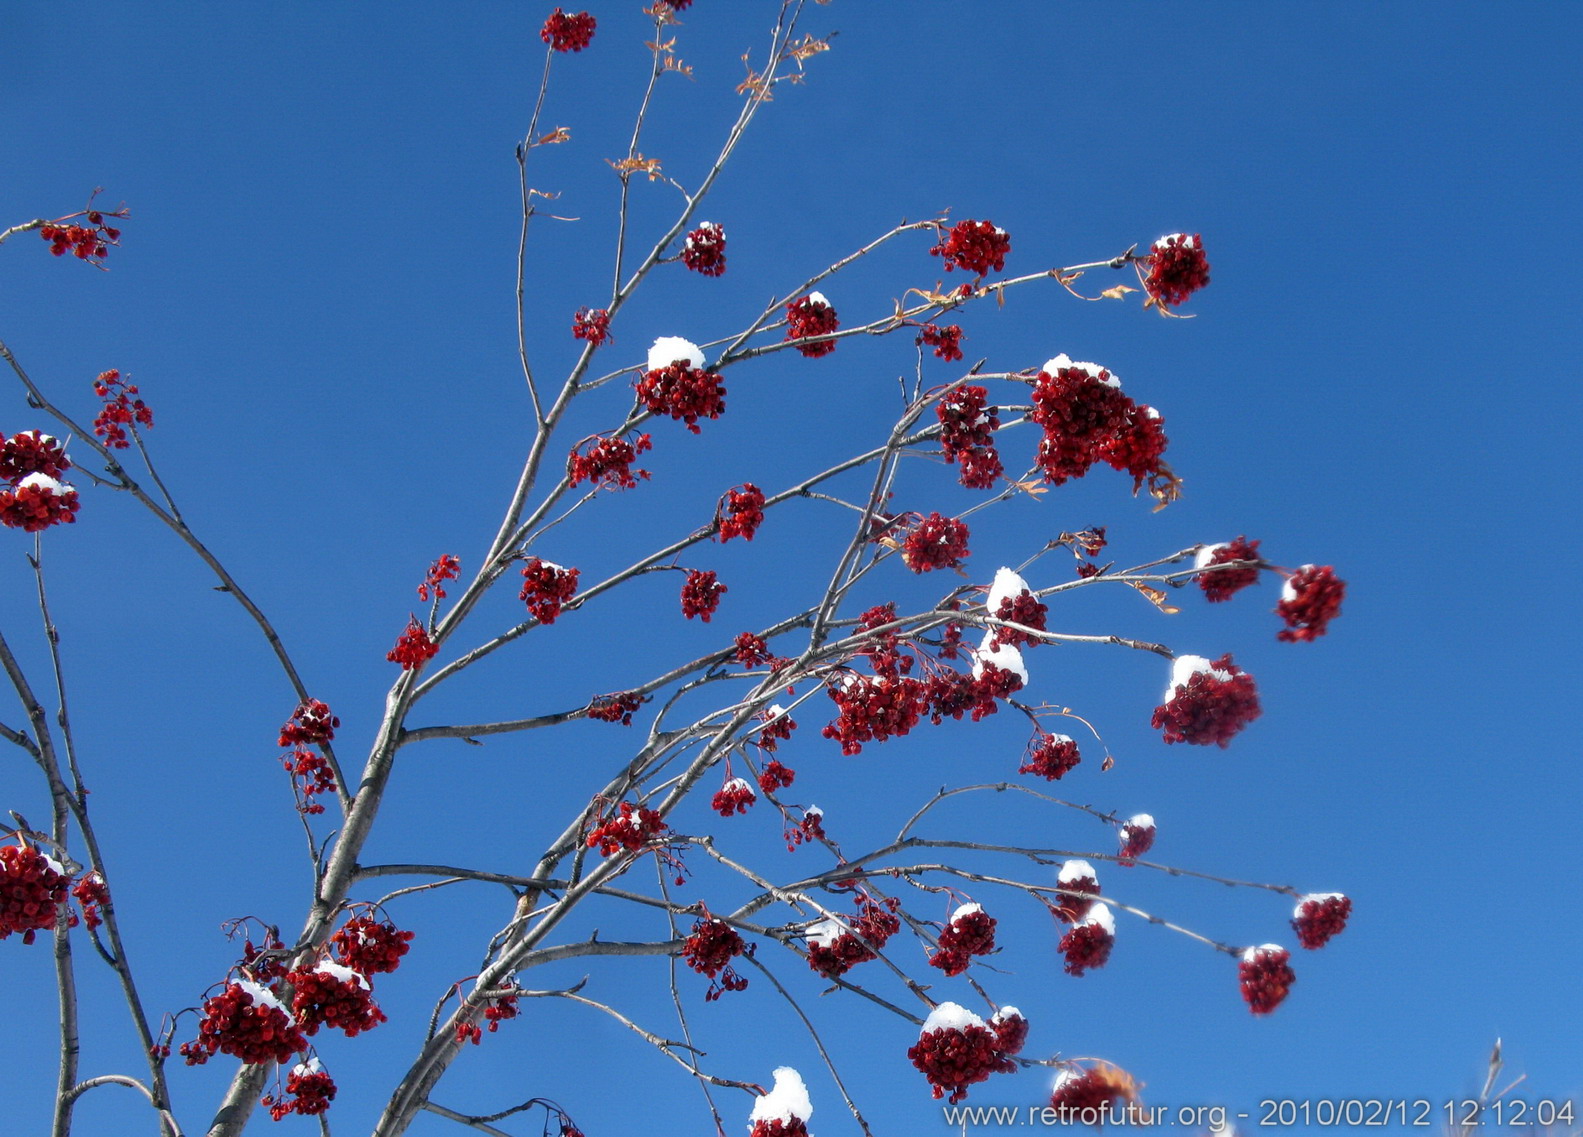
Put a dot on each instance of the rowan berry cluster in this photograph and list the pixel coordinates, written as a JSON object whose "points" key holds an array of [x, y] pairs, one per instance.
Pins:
{"points": [[29, 452], [1310, 599], [593, 325], [751, 650], [777, 728], [332, 994], [1320, 916], [1266, 977], [37, 502], [414, 648], [311, 777], [709, 951], [629, 829], [1080, 1093], [967, 435], [774, 776], [309, 1092], [1136, 837], [1206, 702], [733, 797], [884, 651], [1011, 1030], [1087, 945], [32, 889], [955, 1050], [1087, 419], [812, 316], [810, 828], [607, 462], [872, 709], [122, 408], [1221, 586], [935, 542], [1050, 756], [684, 392], [1078, 886], [974, 246], [1177, 268], [705, 249], [445, 568], [246, 1021], [546, 587], [1024, 608], [370, 947], [568, 33], [310, 724], [701, 594], [497, 1009], [91, 894], [834, 948], [89, 242], [618, 708], [742, 512], [970, 932], [946, 341]]}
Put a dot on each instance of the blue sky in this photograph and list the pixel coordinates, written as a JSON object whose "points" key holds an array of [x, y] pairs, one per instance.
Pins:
{"points": [[315, 293]]}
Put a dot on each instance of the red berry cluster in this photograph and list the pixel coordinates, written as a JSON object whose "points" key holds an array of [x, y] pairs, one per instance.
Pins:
{"points": [[778, 1126], [568, 33], [497, 1010], [884, 652], [414, 648], [608, 462], [619, 707], [1050, 756], [741, 513], [1215, 702], [701, 594], [971, 932], [1319, 917], [1087, 419], [32, 889], [310, 724], [1309, 601], [956, 1057], [1136, 836], [1078, 886], [684, 392], [591, 324], [834, 948], [710, 950], [121, 409], [442, 570], [309, 1090], [1266, 977], [967, 435], [369, 946], [332, 994], [774, 776], [810, 828], [1177, 268], [36, 503], [1221, 586], [873, 709], [733, 797], [30, 452], [777, 728], [1090, 1095], [311, 777], [1011, 1030], [245, 1021], [935, 542], [91, 894], [1024, 608], [751, 650], [953, 694], [705, 250], [546, 586], [630, 828], [973, 246], [1088, 943], [265, 963], [946, 341], [812, 316], [86, 244]]}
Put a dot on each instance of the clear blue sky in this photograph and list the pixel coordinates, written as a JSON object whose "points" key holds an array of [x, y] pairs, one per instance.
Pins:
{"points": [[315, 293]]}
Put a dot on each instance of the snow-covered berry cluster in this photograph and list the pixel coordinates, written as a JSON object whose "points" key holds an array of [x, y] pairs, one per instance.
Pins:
{"points": [[935, 542], [546, 588], [593, 325], [742, 512], [777, 728], [946, 341], [973, 246], [785, 1110], [809, 828], [701, 594], [568, 33], [1050, 756], [246, 1021], [812, 315], [685, 393], [30, 452], [618, 707], [709, 951], [1087, 945], [1087, 419], [369, 946], [1206, 702], [1079, 885], [32, 888], [705, 249], [967, 435], [33, 497], [310, 724], [956, 1049], [414, 647], [970, 932], [1090, 1095], [835, 947], [1310, 599], [630, 828], [446, 567], [1221, 586], [122, 408], [332, 994], [736, 796], [1319, 916], [1136, 837], [1177, 268], [309, 1092], [1011, 599], [1266, 977]]}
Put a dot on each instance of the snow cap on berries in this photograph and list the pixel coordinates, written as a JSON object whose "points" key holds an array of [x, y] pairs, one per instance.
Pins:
{"points": [[1075, 870], [1207, 554], [342, 974], [1006, 586], [817, 298], [1064, 362], [786, 1102], [1004, 656], [673, 349], [1184, 667], [827, 931], [950, 1016], [261, 995], [1100, 916], [965, 910]]}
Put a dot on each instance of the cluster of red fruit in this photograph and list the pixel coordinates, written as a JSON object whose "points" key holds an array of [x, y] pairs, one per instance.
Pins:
{"points": [[607, 463], [834, 948], [701, 594], [546, 588], [967, 435], [89, 242], [946, 341], [591, 324], [709, 951], [1087, 419], [414, 647], [447, 567], [812, 315], [705, 249], [1050, 756], [615, 708], [568, 33], [742, 512], [974, 246], [684, 392], [970, 932], [935, 542], [629, 829], [122, 408], [32, 889], [33, 497], [957, 1049]]}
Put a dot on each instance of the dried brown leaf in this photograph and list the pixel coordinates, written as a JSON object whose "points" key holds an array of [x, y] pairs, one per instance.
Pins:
{"points": [[1156, 597], [1117, 293]]}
